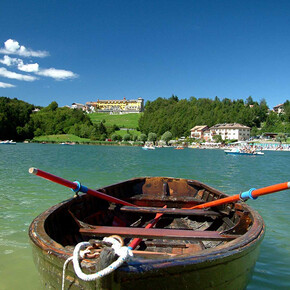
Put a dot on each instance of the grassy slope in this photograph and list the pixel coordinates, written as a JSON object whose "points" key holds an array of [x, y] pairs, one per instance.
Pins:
{"points": [[131, 132], [60, 138], [122, 121]]}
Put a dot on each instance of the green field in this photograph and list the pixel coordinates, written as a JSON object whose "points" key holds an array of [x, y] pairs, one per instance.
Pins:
{"points": [[122, 121], [123, 132], [60, 138], [72, 138]]}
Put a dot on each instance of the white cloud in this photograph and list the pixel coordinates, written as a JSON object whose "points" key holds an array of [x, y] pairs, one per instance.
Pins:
{"points": [[6, 85], [13, 47], [12, 75], [33, 67], [9, 61], [58, 74]]}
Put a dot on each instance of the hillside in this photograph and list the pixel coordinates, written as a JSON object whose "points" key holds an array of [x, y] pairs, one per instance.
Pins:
{"points": [[122, 121]]}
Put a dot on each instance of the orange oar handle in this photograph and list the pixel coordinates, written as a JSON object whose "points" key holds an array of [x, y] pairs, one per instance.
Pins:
{"points": [[270, 189], [255, 193]]}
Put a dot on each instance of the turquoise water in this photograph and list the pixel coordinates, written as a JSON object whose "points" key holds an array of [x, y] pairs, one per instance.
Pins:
{"points": [[23, 196]]}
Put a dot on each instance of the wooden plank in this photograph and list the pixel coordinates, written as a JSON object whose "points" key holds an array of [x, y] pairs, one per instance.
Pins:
{"points": [[170, 211], [156, 233], [171, 198]]}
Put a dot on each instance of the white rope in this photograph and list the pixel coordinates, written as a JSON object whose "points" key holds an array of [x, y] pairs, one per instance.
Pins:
{"points": [[124, 254], [63, 271]]}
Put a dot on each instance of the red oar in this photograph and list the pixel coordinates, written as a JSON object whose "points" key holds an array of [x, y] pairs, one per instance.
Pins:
{"points": [[252, 194], [137, 241], [76, 186]]}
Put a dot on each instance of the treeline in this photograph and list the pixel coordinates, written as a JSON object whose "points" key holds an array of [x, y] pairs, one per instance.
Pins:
{"points": [[14, 119], [163, 118], [19, 122], [179, 116]]}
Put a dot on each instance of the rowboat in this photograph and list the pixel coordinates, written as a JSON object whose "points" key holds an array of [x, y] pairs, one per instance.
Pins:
{"points": [[188, 248]]}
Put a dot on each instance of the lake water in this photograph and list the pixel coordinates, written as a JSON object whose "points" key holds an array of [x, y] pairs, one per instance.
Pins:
{"points": [[23, 196]]}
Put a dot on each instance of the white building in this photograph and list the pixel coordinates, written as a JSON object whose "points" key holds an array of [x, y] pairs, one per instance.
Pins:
{"points": [[198, 132], [279, 109], [231, 131], [78, 106]]}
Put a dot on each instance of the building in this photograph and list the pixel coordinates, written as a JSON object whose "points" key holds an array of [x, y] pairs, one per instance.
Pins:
{"points": [[116, 106], [78, 106], [279, 109], [230, 131], [198, 132]]}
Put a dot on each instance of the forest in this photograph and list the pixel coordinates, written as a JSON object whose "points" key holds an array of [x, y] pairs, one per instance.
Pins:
{"points": [[20, 121], [179, 116]]}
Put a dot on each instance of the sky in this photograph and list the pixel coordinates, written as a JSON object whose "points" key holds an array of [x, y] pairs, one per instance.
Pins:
{"points": [[79, 51]]}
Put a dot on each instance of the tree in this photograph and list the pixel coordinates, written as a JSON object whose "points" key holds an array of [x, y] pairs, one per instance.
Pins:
{"points": [[287, 111], [14, 115], [254, 131], [166, 136], [218, 139], [103, 129], [143, 137], [116, 137], [152, 137], [127, 137], [52, 106], [250, 101], [281, 137], [134, 138]]}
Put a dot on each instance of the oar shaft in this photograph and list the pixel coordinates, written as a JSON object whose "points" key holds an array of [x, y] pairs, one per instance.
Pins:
{"points": [[270, 189], [252, 193], [217, 202], [77, 186]]}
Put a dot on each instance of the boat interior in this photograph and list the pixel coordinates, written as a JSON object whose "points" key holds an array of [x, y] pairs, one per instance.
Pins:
{"points": [[179, 230]]}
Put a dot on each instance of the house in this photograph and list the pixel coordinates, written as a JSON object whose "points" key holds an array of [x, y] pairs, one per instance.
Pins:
{"points": [[230, 131], [78, 106], [198, 132], [279, 109]]}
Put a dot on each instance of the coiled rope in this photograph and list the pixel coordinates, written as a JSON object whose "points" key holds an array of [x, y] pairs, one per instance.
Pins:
{"points": [[123, 252]]}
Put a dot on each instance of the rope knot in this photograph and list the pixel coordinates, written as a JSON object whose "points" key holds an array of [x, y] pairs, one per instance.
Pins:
{"points": [[117, 245]]}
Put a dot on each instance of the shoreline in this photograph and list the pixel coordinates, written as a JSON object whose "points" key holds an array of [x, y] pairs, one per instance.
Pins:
{"points": [[264, 146]]}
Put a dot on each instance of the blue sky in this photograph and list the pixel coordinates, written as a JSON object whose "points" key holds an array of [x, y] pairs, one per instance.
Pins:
{"points": [[77, 51]]}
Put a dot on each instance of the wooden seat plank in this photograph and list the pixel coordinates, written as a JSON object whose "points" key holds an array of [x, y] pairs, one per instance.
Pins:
{"points": [[155, 233], [170, 211]]}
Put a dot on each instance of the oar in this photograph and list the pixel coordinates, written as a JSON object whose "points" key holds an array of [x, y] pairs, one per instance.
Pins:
{"points": [[137, 241], [76, 186], [250, 194]]}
